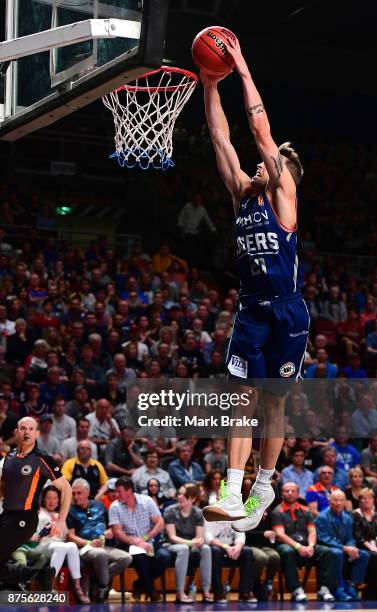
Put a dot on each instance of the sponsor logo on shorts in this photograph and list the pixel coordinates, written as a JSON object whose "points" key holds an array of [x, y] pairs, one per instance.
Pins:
{"points": [[304, 332], [287, 369], [238, 366], [22, 523], [26, 470]]}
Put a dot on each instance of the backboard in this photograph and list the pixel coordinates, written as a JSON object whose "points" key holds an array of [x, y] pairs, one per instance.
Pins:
{"points": [[42, 87]]}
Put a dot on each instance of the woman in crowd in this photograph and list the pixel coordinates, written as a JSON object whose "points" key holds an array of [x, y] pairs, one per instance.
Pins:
{"points": [[211, 484], [185, 532], [353, 490], [56, 547], [33, 406], [365, 533]]}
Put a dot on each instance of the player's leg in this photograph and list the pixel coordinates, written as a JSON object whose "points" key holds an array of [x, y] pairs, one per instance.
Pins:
{"points": [[245, 360]]}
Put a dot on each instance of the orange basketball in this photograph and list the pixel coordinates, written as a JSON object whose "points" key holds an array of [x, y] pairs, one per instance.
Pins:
{"points": [[209, 51]]}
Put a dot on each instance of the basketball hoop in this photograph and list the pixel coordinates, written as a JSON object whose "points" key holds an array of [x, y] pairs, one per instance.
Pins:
{"points": [[145, 113]]}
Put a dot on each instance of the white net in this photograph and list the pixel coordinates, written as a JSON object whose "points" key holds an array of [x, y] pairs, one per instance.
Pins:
{"points": [[144, 115]]}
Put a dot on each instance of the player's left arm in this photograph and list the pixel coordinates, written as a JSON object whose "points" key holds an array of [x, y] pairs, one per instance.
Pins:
{"points": [[281, 182]]}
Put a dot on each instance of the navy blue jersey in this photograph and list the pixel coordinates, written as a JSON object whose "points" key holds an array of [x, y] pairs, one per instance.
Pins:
{"points": [[266, 253]]}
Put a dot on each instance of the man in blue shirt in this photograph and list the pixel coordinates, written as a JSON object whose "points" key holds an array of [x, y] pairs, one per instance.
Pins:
{"points": [[347, 456], [329, 458], [322, 358], [182, 470], [353, 370], [334, 529], [296, 472]]}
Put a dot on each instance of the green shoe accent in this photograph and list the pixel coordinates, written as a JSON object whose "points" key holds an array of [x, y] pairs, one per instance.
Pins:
{"points": [[251, 504], [224, 493]]}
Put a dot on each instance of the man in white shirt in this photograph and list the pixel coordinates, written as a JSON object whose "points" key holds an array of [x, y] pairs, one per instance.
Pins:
{"points": [[103, 428], [63, 426]]}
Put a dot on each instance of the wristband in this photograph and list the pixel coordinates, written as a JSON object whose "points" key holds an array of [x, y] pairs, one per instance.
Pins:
{"points": [[297, 546], [189, 542], [226, 546], [146, 537], [88, 542]]}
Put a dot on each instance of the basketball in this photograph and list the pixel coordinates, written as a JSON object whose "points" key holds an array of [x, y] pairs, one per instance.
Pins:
{"points": [[209, 51]]}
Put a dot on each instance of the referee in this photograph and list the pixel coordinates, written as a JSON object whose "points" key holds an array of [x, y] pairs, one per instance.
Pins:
{"points": [[26, 469]]}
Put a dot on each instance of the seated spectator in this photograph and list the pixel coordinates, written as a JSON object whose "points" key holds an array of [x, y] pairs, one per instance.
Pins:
{"points": [[111, 390], [371, 349], [103, 428], [368, 459], [229, 550], [8, 422], [364, 419], [122, 373], [350, 333], [53, 388], [63, 426], [101, 358], [19, 388], [122, 456], [334, 308], [185, 532], [46, 441], [334, 528], [83, 466], [107, 493], [297, 545], [329, 457], [142, 475], [352, 491], [153, 491], [262, 541], [189, 354], [296, 472], [211, 485], [36, 364], [94, 374], [330, 369], [19, 344], [33, 406], [317, 496], [69, 446], [7, 327], [217, 458], [57, 549], [365, 534], [136, 522], [347, 456], [312, 452], [80, 405], [87, 528], [183, 470], [353, 370]]}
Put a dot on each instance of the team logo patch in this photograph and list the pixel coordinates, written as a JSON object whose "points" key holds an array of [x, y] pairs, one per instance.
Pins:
{"points": [[56, 469], [260, 200], [238, 366], [26, 470], [287, 369], [22, 523]]}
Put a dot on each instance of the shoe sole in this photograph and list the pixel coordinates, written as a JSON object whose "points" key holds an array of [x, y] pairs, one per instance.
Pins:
{"points": [[212, 514]]}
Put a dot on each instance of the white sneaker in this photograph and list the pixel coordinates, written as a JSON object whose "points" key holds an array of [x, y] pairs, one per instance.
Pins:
{"points": [[324, 594], [299, 595], [228, 508], [255, 506]]}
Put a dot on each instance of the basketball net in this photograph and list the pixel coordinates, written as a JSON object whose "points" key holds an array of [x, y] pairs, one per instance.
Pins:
{"points": [[145, 113]]}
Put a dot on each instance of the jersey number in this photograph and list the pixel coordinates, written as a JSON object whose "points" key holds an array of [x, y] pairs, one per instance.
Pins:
{"points": [[258, 266]]}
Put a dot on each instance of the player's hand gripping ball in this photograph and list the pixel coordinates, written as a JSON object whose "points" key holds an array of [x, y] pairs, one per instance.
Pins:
{"points": [[209, 51]]}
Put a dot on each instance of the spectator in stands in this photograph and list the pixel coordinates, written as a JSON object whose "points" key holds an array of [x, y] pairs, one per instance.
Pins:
{"points": [[8, 422], [296, 472], [53, 388], [69, 446], [80, 405], [322, 357], [329, 458], [121, 372], [365, 533], [122, 456], [94, 374], [46, 442], [63, 426], [364, 418], [36, 364], [368, 459], [185, 531], [352, 491], [142, 475], [136, 522], [371, 350], [317, 496], [334, 309], [369, 314], [211, 486], [19, 387], [353, 370], [112, 392], [229, 550], [87, 528], [265, 556], [7, 327], [183, 470], [19, 344], [107, 493], [103, 428], [217, 458], [334, 528], [84, 466], [347, 456], [296, 533]]}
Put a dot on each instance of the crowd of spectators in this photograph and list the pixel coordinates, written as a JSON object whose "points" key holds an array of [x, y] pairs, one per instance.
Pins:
{"points": [[78, 324]]}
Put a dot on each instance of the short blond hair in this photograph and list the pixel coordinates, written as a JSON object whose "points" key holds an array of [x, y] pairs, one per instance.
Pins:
{"points": [[293, 161], [366, 491], [356, 470]]}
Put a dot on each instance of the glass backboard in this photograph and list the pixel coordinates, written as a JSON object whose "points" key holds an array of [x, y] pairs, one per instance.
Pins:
{"points": [[43, 87]]}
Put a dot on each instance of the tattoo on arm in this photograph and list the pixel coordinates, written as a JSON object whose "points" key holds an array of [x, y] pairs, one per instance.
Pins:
{"points": [[255, 110], [278, 165]]}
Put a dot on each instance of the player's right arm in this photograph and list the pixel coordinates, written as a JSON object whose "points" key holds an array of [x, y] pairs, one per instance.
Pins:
{"points": [[236, 181]]}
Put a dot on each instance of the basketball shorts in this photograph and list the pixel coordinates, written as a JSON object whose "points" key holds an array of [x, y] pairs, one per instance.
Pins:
{"points": [[269, 339]]}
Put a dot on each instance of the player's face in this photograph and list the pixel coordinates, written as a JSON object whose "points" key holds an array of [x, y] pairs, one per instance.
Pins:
{"points": [[260, 178]]}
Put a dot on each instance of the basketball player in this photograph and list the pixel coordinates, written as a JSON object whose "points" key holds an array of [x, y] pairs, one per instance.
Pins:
{"points": [[271, 326]]}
